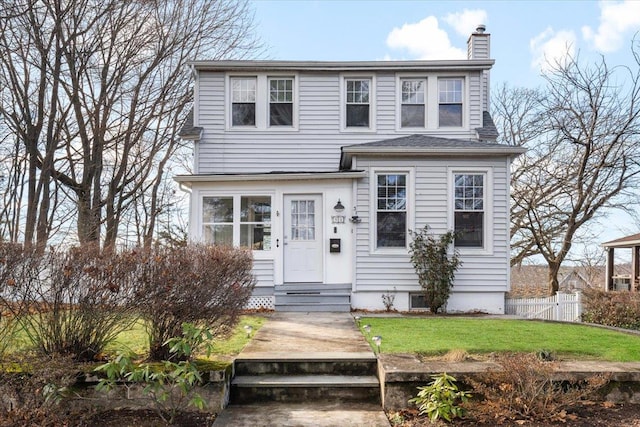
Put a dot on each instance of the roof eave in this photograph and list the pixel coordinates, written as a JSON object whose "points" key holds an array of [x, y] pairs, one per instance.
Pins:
{"points": [[435, 151], [457, 64], [284, 176]]}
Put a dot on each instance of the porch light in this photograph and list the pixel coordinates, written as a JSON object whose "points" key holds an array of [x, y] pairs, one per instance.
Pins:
{"points": [[377, 340], [339, 207], [249, 329]]}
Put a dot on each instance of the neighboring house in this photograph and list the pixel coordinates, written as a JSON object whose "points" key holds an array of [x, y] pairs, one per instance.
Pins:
{"points": [[621, 279], [323, 168], [533, 280]]}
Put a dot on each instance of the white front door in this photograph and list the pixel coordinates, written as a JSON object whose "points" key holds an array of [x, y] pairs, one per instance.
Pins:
{"points": [[303, 238]]}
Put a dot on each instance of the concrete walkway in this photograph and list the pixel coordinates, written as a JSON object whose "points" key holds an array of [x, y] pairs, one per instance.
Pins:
{"points": [[303, 336]]}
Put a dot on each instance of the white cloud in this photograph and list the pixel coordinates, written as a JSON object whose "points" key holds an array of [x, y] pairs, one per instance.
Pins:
{"points": [[467, 21], [424, 40], [617, 20], [551, 47]]}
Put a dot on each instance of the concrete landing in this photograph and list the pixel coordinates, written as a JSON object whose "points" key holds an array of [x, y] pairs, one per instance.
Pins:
{"points": [[308, 338], [302, 415]]}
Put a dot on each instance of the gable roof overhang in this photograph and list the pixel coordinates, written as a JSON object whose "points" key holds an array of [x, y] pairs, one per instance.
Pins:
{"points": [[427, 146], [624, 242], [343, 66], [189, 180]]}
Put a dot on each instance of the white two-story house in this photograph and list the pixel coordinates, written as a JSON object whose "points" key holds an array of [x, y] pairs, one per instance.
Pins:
{"points": [[323, 168]]}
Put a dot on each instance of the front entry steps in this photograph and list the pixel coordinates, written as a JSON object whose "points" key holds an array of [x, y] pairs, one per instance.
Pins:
{"points": [[307, 297], [350, 379]]}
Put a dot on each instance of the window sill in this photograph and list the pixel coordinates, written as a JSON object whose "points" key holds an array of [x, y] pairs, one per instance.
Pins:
{"points": [[474, 251], [357, 130], [390, 251]]}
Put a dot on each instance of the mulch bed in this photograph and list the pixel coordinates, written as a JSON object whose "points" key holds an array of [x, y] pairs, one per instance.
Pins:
{"points": [[588, 414], [145, 418]]}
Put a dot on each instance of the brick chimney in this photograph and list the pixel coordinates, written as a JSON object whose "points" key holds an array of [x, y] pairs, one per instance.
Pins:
{"points": [[479, 47]]}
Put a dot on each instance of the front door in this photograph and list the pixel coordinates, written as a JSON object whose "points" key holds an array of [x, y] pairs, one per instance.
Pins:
{"points": [[303, 238]]}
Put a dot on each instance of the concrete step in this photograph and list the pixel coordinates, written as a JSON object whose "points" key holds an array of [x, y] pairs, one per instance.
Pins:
{"points": [[304, 388], [304, 298], [313, 306], [344, 288], [345, 366]]}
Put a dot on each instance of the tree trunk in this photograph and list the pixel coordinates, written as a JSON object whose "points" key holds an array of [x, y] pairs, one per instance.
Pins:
{"points": [[554, 285]]}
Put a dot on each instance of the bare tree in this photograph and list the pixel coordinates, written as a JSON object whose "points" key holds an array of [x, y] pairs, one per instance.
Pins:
{"points": [[581, 132], [96, 92]]}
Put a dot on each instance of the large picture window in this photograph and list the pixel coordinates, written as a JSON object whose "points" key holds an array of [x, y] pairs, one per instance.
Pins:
{"points": [[358, 102], [412, 109], [243, 101], [237, 221], [469, 209], [280, 102], [391, 210], [450, 102]]}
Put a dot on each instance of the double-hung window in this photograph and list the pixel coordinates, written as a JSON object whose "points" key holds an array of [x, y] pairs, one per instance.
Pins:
{"points": [[391, 210], [358, 102], [412, 109], [243, 101], [280, 101], [450, 102], [469, 209], [241, 220]]}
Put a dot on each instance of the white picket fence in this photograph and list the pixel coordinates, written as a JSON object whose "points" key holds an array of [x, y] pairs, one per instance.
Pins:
{"points": [[562, 307]]}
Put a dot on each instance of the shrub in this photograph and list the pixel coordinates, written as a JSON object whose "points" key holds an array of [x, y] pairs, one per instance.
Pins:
{"points": [[619, 309], [171, 385], [434, 266], [78, 300], [441, 399], [192, 284], [11, 257], [524, 388]]}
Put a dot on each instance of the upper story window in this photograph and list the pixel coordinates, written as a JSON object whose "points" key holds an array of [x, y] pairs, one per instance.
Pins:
{"points": [[450, 102], [242, 220], [412, 108], [469, 209], [243, 99], [391, 210], [358, 102], [280, 102]]}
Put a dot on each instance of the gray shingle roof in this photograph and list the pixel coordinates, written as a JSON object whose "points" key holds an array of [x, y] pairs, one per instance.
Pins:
{"points": [[189, 131], [427, 145]]}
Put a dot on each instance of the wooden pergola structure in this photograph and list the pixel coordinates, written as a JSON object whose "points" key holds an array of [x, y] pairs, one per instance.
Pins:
{"points": [[629, 242]]}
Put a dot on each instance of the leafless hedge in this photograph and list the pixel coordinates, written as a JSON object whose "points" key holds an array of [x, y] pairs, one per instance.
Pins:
{"points": [[200, 284]]}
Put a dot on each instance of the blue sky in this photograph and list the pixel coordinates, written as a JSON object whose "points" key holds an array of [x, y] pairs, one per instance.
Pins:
{"points": [[523, 33]]}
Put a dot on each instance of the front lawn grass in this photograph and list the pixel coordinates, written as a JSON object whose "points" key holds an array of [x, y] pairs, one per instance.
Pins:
{"points": [[437, 335]]}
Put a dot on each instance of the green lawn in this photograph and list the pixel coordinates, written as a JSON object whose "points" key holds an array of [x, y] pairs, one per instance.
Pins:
{"points": [[436, 336]]}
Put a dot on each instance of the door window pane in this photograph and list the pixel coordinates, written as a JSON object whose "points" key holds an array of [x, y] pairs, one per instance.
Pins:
{"points": [[303, 221]]}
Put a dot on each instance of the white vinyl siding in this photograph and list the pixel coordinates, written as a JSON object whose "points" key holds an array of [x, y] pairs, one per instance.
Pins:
{"points": [[480, 271], [314, 142]]}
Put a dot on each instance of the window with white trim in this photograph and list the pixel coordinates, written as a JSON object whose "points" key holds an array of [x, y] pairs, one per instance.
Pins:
{"points": [[280, 101], [412, 107], [358, 102], [241, 220], [450, 102], [391, 210], [469, 209], [243, 101]]}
